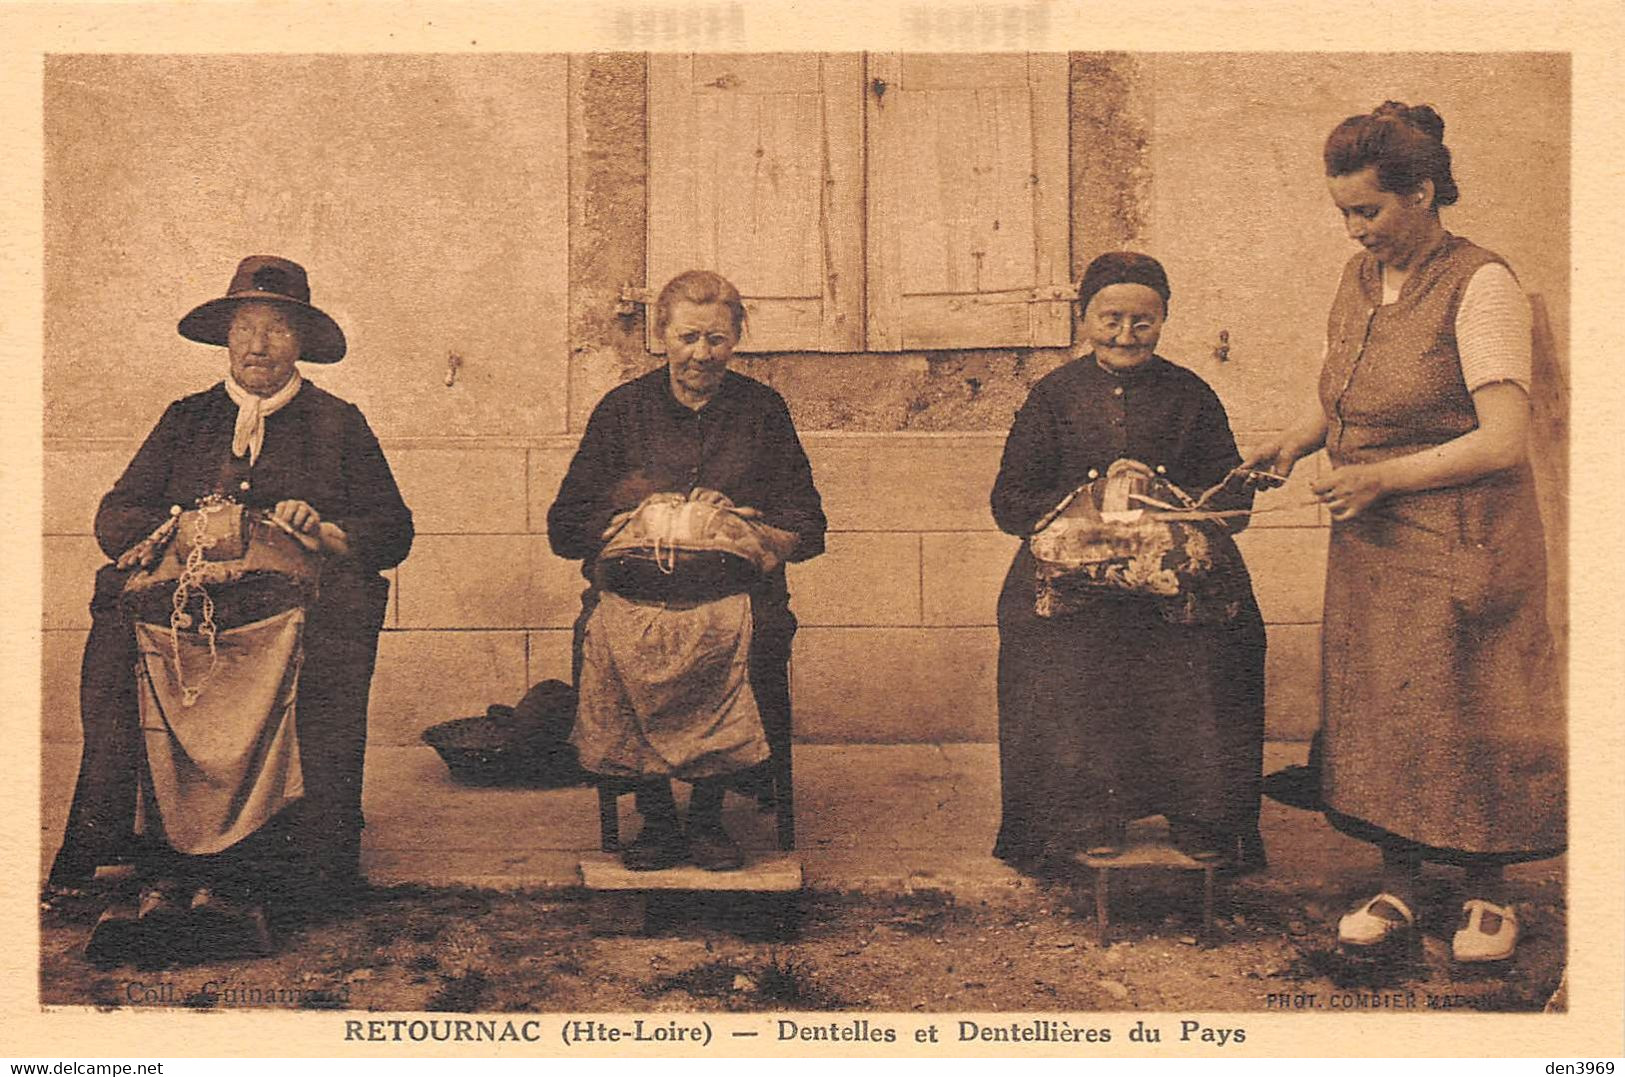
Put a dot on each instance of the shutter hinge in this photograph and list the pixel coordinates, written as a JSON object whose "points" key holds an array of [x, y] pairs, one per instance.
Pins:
{"points": [[631, 298], [1048, 293]]}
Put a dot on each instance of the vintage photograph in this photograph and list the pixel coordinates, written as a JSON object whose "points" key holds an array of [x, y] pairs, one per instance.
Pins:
{"points": [[815, 534]]}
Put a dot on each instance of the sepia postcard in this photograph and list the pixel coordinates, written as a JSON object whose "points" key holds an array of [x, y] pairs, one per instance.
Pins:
{"points": [[717, 530]]}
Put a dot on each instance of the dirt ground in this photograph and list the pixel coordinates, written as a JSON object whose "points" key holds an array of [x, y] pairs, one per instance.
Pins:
{"points": [[1023, 948]]}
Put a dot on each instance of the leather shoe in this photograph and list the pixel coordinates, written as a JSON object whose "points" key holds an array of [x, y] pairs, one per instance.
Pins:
{"points": [[655, 849], [1199, 842], [165, 926], [157, 907], [712, 849], [117, 937], [225, 927]]}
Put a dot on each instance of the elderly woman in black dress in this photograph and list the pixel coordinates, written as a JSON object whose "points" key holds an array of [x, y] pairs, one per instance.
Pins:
{"points": [[689, 431], [285, 837], [1113, 711]]}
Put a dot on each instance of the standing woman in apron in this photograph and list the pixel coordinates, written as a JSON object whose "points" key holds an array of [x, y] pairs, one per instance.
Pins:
{"points": [[1442, 729]]}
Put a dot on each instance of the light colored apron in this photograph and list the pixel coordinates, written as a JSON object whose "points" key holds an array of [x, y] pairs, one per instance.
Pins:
{"points": [[223, 766], [665, 690]]}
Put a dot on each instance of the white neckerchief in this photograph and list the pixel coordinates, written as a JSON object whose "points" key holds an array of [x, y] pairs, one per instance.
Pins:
{"points": [[249, 434]]}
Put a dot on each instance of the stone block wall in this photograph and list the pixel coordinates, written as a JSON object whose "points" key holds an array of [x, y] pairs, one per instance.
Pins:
{"points": [[493, 207]]}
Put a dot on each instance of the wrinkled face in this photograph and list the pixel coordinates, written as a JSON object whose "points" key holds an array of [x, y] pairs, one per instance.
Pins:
{"points": [[699, 340], [263, 342], [1390, 225], [1122, 324]]}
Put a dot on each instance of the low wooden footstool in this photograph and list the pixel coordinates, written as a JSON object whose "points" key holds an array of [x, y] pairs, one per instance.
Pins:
{"points": [[620, 897], [1147, 847]]}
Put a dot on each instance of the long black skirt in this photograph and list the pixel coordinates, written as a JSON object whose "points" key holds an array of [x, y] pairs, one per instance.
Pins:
{"points": [[1111, 714]]}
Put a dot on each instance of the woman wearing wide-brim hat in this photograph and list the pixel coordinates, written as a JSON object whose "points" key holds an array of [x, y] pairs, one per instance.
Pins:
{"points": [[273, 447]]}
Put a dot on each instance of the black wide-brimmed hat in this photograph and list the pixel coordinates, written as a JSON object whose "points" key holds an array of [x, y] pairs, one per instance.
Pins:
{"points": [[265, 278]]}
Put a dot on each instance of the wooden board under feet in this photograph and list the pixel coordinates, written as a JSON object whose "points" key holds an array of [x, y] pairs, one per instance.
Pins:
{"points": [[773, 873], [1149, 854], [1148, 845]]}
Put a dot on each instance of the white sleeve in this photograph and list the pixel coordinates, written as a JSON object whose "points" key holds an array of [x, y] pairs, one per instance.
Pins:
{"points": [[1492, 329]]}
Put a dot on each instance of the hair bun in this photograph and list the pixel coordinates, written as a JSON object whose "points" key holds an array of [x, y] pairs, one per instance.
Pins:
{"points": [[1422, 117]]}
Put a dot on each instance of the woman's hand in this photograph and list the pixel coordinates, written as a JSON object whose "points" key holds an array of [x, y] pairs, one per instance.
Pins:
{"points": [[709, 496], [1267, 466], [616, 522], [1350, 490], [778, 543], [333, 539], [1278, 456], [303, 522], [299, 515]]}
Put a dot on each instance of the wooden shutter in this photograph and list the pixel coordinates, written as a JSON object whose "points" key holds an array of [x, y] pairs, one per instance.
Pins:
{"points": [[756, 172], [967, 201]]}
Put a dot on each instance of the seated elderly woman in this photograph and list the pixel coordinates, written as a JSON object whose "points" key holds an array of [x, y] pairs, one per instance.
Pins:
{"points": [[225, 680], [688, 493], [1131, 650]]}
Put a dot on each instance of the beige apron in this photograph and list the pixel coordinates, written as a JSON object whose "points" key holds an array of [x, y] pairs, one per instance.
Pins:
{"points": [[223, 766], [665, 690]]}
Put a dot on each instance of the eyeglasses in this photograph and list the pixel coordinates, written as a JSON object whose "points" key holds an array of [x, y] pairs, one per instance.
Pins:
{"points": [[716, 340], [1139, 327]]}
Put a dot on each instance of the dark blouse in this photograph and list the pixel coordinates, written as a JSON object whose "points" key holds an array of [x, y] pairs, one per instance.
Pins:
{"points": [[641, 439], [1080, 418], [318, 448]]}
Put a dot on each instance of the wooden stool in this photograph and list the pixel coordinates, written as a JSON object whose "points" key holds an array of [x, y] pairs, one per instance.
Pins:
{"points": [[1147, 846], [620, 897]]}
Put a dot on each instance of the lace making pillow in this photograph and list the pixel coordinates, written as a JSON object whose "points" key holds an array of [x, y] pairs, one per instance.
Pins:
{"points": [[1131, 531], [230, 564], [672, 548]]}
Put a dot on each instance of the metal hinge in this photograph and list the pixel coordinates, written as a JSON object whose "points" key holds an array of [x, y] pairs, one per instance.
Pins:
{"points": [[632, 297], [1048, 293]]}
